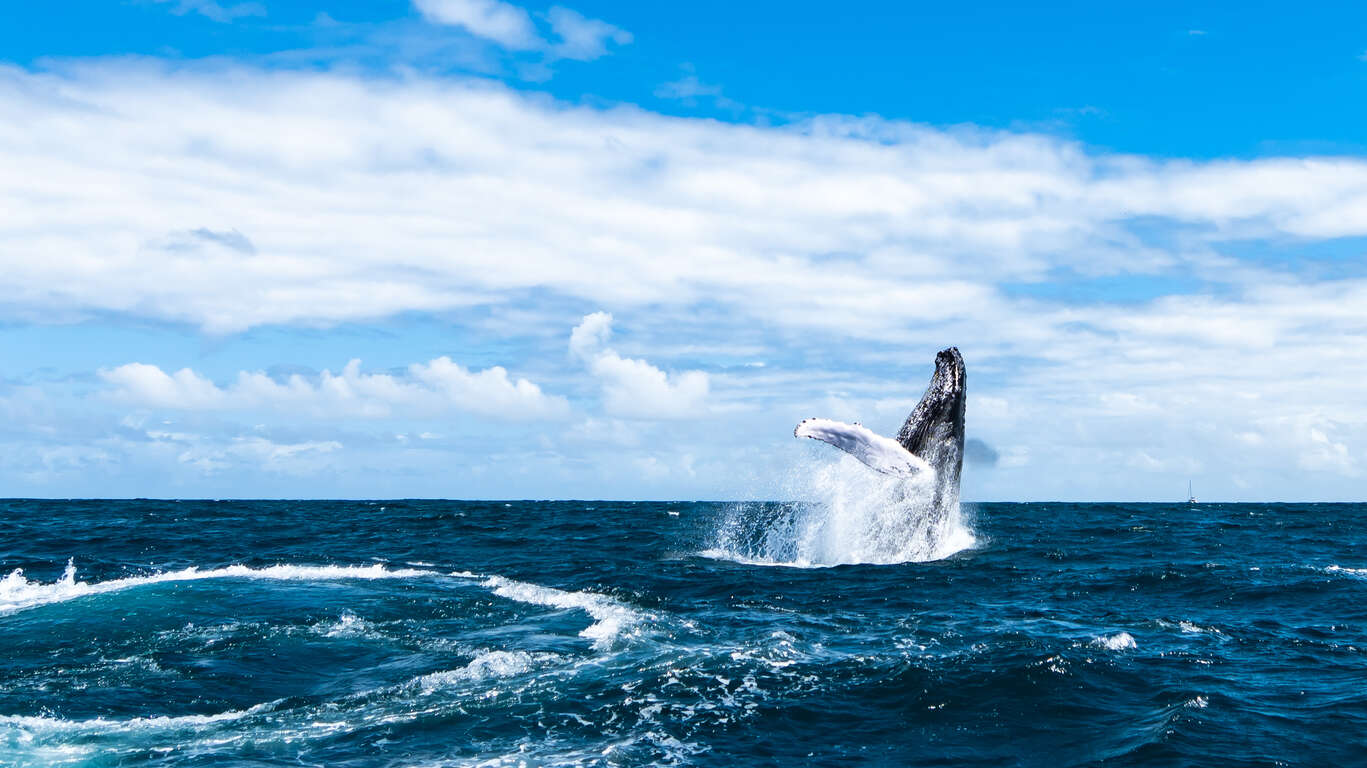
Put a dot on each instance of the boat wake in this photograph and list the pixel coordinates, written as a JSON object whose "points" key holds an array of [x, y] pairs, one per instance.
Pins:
{"points": [[849, 516]]}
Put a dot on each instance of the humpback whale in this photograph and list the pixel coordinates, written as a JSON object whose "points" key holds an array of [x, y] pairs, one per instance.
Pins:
{"points": [[929, 446]]}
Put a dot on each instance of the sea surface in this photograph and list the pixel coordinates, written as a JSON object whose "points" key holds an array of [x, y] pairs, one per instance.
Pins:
{"points": [[436, 633]]}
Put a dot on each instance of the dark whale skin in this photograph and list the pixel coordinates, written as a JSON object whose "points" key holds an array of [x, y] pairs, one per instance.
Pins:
{"points": [[935, 429]]}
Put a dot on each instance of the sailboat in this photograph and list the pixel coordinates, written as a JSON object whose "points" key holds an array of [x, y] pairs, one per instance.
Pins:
{"points": [[1191, 499]]}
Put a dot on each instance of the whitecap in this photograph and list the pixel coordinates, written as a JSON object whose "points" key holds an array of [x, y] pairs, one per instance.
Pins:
{"points": [[485, 666], [611, 618], [42, 724], [348, 624], [1118, 642], [18, 593], [1197, 629]]}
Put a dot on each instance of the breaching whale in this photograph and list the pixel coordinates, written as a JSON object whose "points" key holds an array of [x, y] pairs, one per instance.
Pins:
{"points": [[930, 444]]}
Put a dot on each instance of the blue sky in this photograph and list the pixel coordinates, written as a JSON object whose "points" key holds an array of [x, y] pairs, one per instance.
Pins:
{"points": [[617, 250]]}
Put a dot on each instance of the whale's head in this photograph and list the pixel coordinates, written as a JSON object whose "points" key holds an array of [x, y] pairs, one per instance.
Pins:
{"points": [[949, 372], [944, 398], [935, 429]]}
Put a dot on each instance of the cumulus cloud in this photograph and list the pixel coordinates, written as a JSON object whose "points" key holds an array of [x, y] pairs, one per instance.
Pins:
{"points": [[432, 387], [511, 26], [843, 251], [635, 388]]}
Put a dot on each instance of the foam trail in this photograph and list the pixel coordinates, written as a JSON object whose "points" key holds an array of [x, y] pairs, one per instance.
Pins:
{"points": [[18, 593], [851, 515], [610, 618], [38, 723]]}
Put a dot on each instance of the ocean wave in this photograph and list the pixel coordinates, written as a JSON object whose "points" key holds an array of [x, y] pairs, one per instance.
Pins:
{"points": [[98, 725], [485, 666], [1192, 628], [1120, 641], [17, 593], [612, 619]]}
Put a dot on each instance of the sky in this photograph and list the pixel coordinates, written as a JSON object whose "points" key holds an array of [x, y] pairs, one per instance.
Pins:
{"points": [[479, 249]]}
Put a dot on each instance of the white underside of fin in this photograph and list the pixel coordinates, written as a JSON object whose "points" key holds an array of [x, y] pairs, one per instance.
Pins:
{"points": [[880, 453]]}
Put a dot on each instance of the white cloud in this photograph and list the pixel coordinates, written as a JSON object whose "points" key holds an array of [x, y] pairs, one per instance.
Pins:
{"points": [[606, 432], [504, 23], [216, 11], [581, 38], [842, 251], [433, 387], [453, 193], [989, 407], [511, 26], [591, 335], [1316, 444], [690, 90], [150, 385], [635, 388], [289, 458], [1326, 454], [688, 87]]}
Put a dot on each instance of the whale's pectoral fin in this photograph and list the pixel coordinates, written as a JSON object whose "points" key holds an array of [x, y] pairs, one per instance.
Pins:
{"points": [[880, 453]]}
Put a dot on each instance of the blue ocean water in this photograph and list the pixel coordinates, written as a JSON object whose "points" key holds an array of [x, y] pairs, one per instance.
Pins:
{"points": [[434, 633]]}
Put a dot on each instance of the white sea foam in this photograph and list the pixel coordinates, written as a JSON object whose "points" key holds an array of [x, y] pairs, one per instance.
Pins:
{"points": [[44, 740], [850, 515], [485, 666], [611, 618], [1120, 641], [1192, 628], [17, 593], [346, 625], [40, 724]]}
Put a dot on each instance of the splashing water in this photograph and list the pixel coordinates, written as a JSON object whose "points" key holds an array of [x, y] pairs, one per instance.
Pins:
{"points": [[849, 515]]}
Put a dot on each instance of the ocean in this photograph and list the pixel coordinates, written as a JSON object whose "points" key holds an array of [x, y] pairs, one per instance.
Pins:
{"points": [[453, 633]]}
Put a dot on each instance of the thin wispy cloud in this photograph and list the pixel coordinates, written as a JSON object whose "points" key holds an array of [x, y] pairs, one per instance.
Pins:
{"points": [[215, 11], [571, 35], [504, 23], [691, 91], [582, 38]]}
